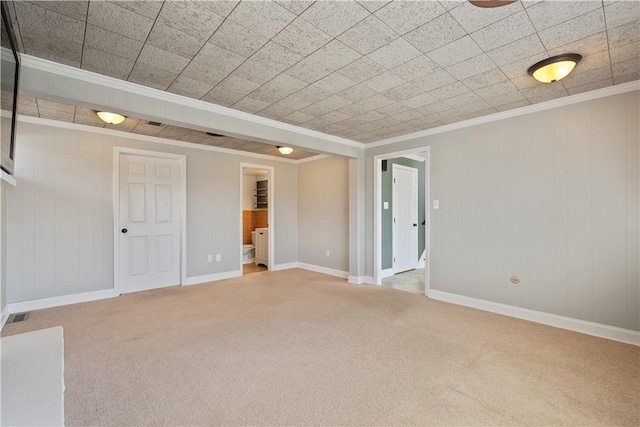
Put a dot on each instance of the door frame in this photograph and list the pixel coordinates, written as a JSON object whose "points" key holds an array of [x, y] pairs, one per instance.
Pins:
{"points": [[270, 210], [393, 209], [117, 152], [377, 215]]}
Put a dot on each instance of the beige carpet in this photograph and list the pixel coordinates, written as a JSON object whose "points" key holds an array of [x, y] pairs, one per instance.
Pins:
{"points": [[301, 348]]}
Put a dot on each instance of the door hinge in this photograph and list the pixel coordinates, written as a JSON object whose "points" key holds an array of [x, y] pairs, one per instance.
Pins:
{"points": [[394, 260], [394, 220], [394, 180]]}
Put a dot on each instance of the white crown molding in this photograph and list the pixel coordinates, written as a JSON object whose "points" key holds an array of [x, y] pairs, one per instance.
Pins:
{"points": [[91, 77], [314, 158], [590, 328], [150, 138], [554, 103]]}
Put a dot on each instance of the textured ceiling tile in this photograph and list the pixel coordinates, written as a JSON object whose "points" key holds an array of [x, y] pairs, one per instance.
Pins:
{"points": [[419, 101], [624, 34], [373, 5], [506, 99], [434, 108], [434, 80], [203, 73], [335, 17], [375, 102], [361, 70], [189, 87], [352, 110], [37, 20], [451, 4], [368, 35], [496, 89], [549, 13], [174, 41], [275, 56], [520, 67], [288, 105], [402, 92], [548, 96], [255, 71], [416, 68], [587, 46], [317, 110], [302, 37], [277, 88], [151, 76], [26, 105], [585, 77], [217, 57], [626, 71], [222, 8], [72, 9], [449, 91], [591, 62], [590, 86], [472, 19], [524, 81], [127, 126], [334, 83], [393, 109], [62, 116], [385, 82], [295, 6], [480, 113], [334, 117], [249, 105], [517, 50], [312, 94], [116, 44], [485, 79], [622, 12], [623, 53], [297, 118], [395, 53], [357, 93], [503, 32], [334, 55], [119, 20], [334, 102], [52, 48], [194, 136], [50, 105], [576, 29], [541, 92], [159, 58], [263, 17], [88, 120], [454, 52], [106, 63], [237, 39], [173, 132], [196, 18], [308, 71], [437, 33], [404, 16], [150, 9], [471, 67]]}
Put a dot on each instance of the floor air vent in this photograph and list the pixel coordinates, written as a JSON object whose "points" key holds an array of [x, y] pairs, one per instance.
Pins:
{"points": [[18, 317]]}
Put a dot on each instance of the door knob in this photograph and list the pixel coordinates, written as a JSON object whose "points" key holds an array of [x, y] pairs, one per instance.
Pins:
{"points": [[415, 225], [124, 230]]}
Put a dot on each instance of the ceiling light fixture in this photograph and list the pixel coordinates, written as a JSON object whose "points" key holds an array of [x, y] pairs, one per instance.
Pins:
{"points": [[491, 3], [285, 150], [110, 118], [556, 68]]}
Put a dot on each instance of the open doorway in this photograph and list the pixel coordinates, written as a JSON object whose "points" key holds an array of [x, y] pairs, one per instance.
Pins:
{"points": [[402, 220], [256, 233]]}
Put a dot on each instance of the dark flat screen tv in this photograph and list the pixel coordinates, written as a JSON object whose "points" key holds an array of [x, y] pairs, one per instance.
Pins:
{"points": [[10, 71]]}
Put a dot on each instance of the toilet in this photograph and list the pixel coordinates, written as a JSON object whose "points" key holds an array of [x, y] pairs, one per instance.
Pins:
{"points": [[248, 250]]}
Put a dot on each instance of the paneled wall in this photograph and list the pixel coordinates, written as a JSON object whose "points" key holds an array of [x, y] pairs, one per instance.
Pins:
{"points": [[251, 220], [60, 216], [551, 197]]}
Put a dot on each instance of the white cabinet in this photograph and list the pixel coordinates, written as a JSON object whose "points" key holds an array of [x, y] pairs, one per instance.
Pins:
{"points": [[262, 246]]}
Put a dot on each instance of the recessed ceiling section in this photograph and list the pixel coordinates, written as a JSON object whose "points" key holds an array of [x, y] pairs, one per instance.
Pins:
{"points": [[365, 71], [84, 116]]}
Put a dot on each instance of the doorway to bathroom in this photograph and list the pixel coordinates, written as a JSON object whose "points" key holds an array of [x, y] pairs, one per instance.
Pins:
{"points": [[256, 207]]}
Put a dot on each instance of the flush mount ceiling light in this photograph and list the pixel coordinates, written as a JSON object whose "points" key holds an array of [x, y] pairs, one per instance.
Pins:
{"points": [[556, 68], [285, 150], [491, 3], [110, 118]]}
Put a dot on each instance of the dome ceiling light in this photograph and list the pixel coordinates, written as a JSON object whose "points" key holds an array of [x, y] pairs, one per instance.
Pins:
{"points": [[490, 3], [556, 68], [110, 118], [285, 150]]}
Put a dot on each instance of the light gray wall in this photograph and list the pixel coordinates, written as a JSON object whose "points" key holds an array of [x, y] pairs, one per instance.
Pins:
{"points": [[551, 197], [323, 213], [60, 216]]}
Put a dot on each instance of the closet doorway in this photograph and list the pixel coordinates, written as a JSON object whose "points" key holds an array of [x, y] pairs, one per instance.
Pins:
{"points": [[256, 222]]}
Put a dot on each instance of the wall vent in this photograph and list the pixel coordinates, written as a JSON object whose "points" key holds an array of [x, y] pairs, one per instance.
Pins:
{"points": [[154, 123], [17, 317], [213, 134]]}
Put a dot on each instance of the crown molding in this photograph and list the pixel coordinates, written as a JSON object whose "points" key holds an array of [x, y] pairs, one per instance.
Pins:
{"points": [[554, 103], [156, 139], [99, 79]]}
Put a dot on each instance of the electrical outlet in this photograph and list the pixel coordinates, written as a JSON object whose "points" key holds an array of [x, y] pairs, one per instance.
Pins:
{"points": [[327, 253], [210, 258], [218, 257]]}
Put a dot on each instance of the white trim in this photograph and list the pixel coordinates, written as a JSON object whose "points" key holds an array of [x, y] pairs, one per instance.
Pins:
{"points": [[585, 327], [313, 158], [414, 157], [5, 316], [387, 272], [7, 178], [394, 212], [286, 266], [356, 280], [182, 159], [324, 270], [99, 79], [150, 138], [39, 304], [554, 103], [196, 280]]}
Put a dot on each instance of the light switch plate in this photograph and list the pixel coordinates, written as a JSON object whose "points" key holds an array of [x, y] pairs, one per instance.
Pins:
{"points": [[385, 205], [436, 204]]}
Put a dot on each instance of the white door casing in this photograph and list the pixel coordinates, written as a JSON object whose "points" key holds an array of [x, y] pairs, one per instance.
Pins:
{"points": [[405, 218], [150, 209]]}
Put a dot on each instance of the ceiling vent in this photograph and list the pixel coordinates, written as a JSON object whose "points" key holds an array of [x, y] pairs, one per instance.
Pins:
{"points": [[154, 123], [214, 134], [18, 317]]}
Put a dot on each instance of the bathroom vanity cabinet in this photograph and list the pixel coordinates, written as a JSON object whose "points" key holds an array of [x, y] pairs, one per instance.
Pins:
{"points": [[262, 246]]}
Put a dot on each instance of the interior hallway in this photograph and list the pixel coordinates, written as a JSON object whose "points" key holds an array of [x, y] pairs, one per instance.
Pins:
{"points": [[409, 281]]}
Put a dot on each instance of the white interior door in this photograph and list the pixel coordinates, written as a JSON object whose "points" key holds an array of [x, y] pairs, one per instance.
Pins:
{"points": [[149, 222], [405, 218]]}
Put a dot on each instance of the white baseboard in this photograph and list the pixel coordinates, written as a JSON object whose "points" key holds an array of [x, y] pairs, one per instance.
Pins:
{"points": [[38, 304], [590, 328], [287, 266], [196, 280], [361, 280], [5, 316], [324, 270], [422, 261], [387, 272]]}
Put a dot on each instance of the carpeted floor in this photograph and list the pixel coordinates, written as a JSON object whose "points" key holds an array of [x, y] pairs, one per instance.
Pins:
{"points": [[300, 348]]}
